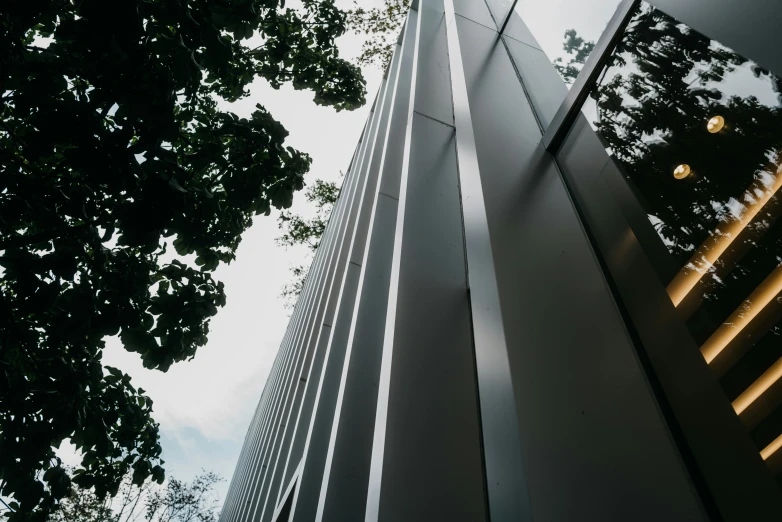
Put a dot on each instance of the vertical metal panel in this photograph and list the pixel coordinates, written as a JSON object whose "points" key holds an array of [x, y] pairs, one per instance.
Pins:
{"points": [[318, 332], [305, 501], [590, 429], [429, 432], [507, 488], [377, 448], [251, 441], [322, 326], [298, 323], [475, 10], [248, 465], [392, 154], [343, 493], [542, 83], [328, 248], [316, 445], [427, 406], [267, 439], [293, 396], [360, 216], [736, 478], [433, 84]]}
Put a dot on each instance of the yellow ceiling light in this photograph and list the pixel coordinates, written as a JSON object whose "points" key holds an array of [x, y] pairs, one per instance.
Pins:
{"points": [[682, 171], [758, 387], [771, 448], [715, 124], [711, 249], [744, 314]]}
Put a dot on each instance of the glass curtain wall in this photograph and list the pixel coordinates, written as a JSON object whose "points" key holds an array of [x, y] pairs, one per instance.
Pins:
{"points": [[695, 131], [693, 128]]}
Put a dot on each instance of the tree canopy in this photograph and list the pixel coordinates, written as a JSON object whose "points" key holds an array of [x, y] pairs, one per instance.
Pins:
{"points": [[381, 25], [174, 501], [116, 165]]}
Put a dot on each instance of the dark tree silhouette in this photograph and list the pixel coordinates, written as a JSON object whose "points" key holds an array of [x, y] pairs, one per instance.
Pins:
{"points": [[381, 25], [113, 148], [579, 50]]}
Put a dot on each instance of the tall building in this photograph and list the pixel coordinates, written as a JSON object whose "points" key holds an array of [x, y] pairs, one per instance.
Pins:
{"points": [[537, 301]]}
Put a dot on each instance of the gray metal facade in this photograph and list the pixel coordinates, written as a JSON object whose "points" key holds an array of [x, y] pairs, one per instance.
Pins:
{"points": [[471, 342]]}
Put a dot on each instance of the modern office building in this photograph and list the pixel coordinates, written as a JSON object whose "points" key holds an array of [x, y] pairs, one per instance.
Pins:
{"points": [[537, 301]]}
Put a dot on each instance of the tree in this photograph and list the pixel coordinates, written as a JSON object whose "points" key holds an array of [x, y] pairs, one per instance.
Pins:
{"points": [[298, 230], [175, 501], [113, 152], [579, 50], [381, 25]]}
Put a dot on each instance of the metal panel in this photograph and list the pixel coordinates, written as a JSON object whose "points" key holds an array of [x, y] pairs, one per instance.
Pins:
{"points": [[519, 31], [507, 488], [344, 489], [542, 83], [316, 446], [475, 10], [297, 433], [251, 439], [297, 324], [342, 221], [319, 334], [432, 412], [500, 9], [269, 439], [392, 154], [251, 461], [433, 86], [590, 428], [305, 501]]}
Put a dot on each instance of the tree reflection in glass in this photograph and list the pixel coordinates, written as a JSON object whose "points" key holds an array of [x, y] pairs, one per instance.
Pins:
{"points": [[695, 129]]}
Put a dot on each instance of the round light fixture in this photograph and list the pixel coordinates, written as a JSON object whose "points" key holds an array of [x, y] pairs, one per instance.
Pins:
{"points": [[715, 124], [682, 171]]}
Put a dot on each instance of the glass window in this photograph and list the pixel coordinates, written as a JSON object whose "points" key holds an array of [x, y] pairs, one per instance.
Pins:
{"points": [[566, 30], [696, 131]]}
